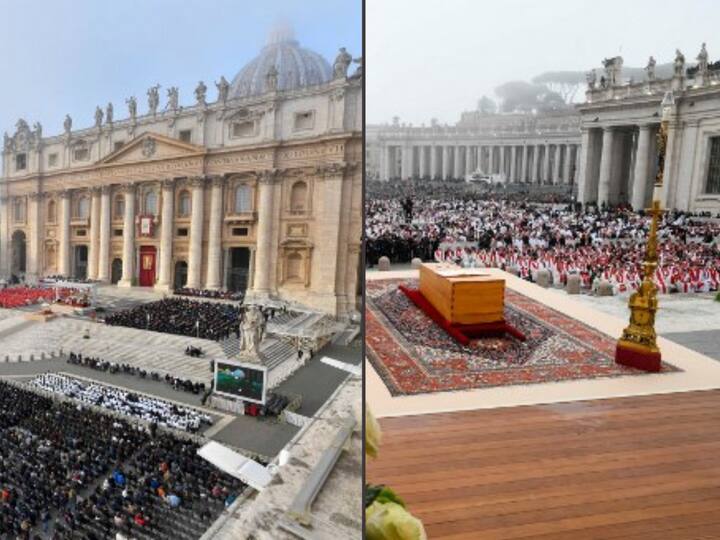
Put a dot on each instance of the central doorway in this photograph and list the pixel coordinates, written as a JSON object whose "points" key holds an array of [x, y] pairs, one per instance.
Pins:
{"points": [[116, 271], [147, 266], [18, 253], [180, 280], [80, 262], [239, 269]]}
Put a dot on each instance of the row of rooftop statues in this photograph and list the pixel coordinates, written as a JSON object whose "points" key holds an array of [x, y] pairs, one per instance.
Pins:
{"points": [[613, 68], [340, 69]]}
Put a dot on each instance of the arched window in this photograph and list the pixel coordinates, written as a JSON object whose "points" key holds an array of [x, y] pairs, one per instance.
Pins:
{"points": [[19, 210], [83, 208], [243, 199], [151, 203], [119, 206], [294, 266], [51, 211], [184, 203], [298, 197]]}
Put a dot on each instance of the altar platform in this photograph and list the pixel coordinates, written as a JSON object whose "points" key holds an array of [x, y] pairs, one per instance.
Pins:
{"points": [[568, 356]]}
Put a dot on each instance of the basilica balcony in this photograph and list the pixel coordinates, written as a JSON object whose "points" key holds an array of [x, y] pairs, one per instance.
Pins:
{"points": [[242, 218], [80, 222]]}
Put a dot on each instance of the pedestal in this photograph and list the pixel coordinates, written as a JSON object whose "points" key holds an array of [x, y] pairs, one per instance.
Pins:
{"points": [[637, 357]]}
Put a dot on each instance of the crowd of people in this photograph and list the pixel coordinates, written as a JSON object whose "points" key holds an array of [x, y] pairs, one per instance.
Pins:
{"points": [[181, 316], [449, 223], [207, 293], [68, 472], [106, 366], [137, 406]]}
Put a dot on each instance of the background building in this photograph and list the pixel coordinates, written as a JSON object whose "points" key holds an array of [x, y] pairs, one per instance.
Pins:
{"points": [[258, 190]]}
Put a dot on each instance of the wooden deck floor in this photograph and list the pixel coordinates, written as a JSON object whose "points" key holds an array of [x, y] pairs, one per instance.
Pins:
{"points": [[640, 468]]}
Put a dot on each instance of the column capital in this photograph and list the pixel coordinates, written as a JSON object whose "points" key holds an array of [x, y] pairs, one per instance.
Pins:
{"points": [[65, 193], [4, 199], [217, 180], [95, 190], [268, 176], [168, 183], [333, 170], [37, 196], [106, 190], [128, 188], [197, 181]]}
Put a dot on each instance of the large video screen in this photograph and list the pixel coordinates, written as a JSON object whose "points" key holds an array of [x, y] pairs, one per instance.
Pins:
{"points": [[240, 380]]}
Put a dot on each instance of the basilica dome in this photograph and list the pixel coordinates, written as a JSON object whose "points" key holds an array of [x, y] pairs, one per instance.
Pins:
{"points": [[296, 67]]}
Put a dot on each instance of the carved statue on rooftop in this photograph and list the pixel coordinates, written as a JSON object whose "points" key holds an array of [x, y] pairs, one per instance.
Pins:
{"points": [[591, 77], [341, 64], [173, 96], [132, 107], [702, 59], [650, 69], [223, 88], [8, 143], [109, 113], [153, 95], [613, 68], [201, 93], [98, 117], [67, 124], [679, 63], [37, 128]]}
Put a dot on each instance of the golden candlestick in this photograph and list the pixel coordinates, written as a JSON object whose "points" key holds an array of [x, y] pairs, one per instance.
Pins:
{"points": [[637, 347]]}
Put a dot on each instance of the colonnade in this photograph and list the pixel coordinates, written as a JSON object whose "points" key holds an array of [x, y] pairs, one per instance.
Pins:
{"points": [[617, 164], [546, 163]]}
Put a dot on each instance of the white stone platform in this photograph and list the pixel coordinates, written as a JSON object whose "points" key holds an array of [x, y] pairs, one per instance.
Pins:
{"points": [[699, 372]]}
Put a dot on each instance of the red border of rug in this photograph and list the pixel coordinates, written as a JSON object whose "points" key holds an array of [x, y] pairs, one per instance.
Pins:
{"points": [[462, 333]]}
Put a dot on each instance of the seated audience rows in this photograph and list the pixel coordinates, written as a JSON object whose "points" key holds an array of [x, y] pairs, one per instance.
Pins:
{"points": [[68, 472], [120, 401], [207, 293], [181, 316], [475, 230]]}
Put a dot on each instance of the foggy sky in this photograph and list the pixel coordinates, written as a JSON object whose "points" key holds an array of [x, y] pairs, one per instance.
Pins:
{"points": [[428, 58], [68, 56]]}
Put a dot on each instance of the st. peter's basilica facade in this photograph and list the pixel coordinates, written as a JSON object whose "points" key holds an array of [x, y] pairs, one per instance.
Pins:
{"points": [[258, 190]]}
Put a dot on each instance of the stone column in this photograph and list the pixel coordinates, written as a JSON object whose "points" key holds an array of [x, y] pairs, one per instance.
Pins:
{"points": [[387, 163], [468, 160], [263, 255], [642, 168], [422, 151], [605, 165], [433, 162], [128, 263], [458, 172], [214, 269], [167, 225], [546, 166], [406, 163], [64, 234], [104, 235], [327, 275], [513, 163], [566, 164], [445, 162], [534, 164], [197, 217], [556, 166], [93, 251], [34, 252], [524, 164]]}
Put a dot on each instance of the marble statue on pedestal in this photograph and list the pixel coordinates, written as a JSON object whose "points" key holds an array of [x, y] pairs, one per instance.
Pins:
{"points": [[341, 64], [173, 95], [679, 63], [98, 117], [650, 68], [252, 330], [223, 88], [702, 59], [201, 93], [153, 99], [132, 107], [67, 124], [109, 113]]}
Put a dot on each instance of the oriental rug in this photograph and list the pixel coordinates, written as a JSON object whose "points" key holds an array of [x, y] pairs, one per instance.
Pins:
{"points": [[413, 355]]}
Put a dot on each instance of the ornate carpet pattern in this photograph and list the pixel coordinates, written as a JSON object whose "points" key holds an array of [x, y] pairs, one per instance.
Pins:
{"points": [[414, 356]]}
